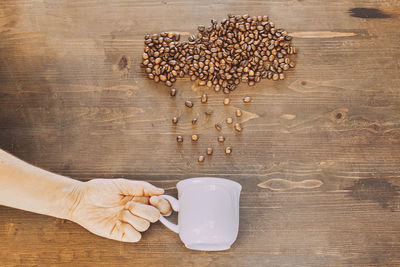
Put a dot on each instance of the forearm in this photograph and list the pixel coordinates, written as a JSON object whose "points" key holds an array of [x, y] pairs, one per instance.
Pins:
{"points": [[27, 187]]}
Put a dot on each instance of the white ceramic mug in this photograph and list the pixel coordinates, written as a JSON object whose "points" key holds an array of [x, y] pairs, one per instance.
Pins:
{"points": [[208, 216]]}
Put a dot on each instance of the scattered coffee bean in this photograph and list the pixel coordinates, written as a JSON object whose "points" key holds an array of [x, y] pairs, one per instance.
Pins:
{"points": [[174, 120], [228, 150], [238, 127], [227, 100], [209, 112], [229, 120], [221, 139], [201, 158], [209, 151], [238, 113], [194, 121], [218, 126], [204, 98], [179, 139], [172, 92], [189, 103], [247, 99], [195, 137]]}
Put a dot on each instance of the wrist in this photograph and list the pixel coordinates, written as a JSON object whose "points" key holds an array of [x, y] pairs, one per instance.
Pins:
{"points": [[67, 199]]}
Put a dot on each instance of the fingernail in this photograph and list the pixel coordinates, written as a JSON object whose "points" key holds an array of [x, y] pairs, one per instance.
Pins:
{"points": [[155, 199], [160, 190]]}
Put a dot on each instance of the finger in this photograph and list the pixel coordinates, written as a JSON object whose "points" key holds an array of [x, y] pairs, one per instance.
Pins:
{"points": [[143, 200], [162, 205], [115, 232], [144, 211], [138, 188], [138, 223], [129, 234], [124, 232]]}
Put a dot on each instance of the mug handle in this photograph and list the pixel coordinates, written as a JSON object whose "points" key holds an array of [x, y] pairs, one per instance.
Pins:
{"points": [[175, 206]]}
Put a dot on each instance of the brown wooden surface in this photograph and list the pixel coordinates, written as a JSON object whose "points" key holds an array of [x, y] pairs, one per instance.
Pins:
{"points": [[69, 104]]}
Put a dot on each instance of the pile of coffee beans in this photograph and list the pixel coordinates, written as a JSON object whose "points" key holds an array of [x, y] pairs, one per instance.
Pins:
{"points": [[239, 49]]}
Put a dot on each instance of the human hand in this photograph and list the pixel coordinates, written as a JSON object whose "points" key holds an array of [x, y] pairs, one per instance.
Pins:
{"points": [[117, 208]]}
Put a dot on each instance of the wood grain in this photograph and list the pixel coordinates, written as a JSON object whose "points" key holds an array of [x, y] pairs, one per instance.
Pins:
{"points": [[319, 156]]}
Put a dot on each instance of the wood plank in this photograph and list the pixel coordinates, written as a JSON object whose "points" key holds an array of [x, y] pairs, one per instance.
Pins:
{"points": [[319, 156]]}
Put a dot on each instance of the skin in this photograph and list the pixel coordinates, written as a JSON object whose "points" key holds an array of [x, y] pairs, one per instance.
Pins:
{"points": [[118, 209]]}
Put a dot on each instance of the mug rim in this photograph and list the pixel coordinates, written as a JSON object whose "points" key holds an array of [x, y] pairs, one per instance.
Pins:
{"points": [[209, 180]]}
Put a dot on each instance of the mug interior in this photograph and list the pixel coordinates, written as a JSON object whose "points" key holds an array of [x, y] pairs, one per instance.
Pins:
{"points": [[208, 180]]}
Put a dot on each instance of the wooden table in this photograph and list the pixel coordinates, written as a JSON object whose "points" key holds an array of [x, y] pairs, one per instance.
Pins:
{"points": [[319, 156]]}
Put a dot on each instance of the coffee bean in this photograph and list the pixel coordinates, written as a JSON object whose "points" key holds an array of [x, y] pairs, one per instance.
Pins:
{"points": [[172, 92], [218, 127], [174, 120], [209, 151], [209, 112], [228, 150], [239, 49], [194, 121], [238, 113], [221, 139], [229, 120], [285, 67], [201, 158], [238, 127], [204, 98], [179, 139], [247, 99], [195, 137], [227, 100], [189, 103]]}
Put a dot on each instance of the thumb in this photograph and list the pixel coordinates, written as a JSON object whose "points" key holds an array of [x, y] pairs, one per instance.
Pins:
{"points": [[139, 188]]}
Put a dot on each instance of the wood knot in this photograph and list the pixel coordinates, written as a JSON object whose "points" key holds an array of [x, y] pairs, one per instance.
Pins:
{"points": [[123, 63], [338, 115], [368, 13], [277, 184], [288, 116]]}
